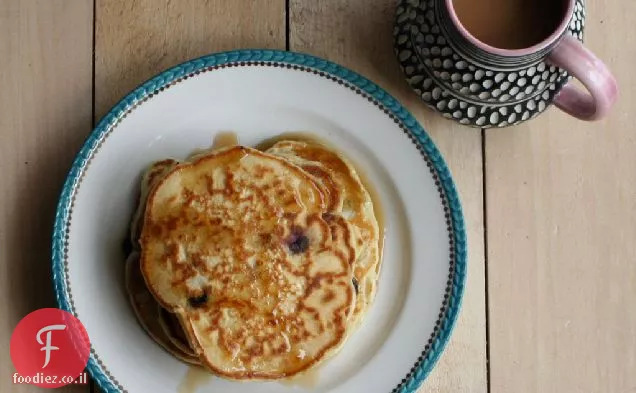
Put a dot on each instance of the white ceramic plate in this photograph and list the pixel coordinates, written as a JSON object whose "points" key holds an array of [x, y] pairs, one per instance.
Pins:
{"points": [[258, 95]]}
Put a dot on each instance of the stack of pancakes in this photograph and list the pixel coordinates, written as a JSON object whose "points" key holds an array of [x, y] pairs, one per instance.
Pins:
{"points": [[256, 265]]}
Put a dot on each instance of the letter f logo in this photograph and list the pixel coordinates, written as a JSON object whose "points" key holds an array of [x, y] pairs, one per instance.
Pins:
{"points": [[48, 347]]}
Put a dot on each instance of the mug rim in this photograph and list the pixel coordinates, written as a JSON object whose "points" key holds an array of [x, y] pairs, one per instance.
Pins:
{"points": [[556, 34]]}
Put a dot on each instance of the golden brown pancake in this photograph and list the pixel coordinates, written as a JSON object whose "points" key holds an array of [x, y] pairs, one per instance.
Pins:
{"points": [[237, 245], [348, 200], [147, 311]]}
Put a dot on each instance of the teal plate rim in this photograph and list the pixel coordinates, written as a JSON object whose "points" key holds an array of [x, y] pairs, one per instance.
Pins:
{"points": [[449, 311]]}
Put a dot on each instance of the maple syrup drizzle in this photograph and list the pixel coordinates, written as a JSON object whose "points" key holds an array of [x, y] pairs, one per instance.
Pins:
{"points": [[195, 378]]}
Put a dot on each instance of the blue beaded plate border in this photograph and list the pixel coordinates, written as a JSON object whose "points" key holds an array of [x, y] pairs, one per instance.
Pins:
{"points": [[449, 310]]}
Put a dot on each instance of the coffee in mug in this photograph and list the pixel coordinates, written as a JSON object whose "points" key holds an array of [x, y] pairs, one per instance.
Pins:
{"points": [[510, 24]]}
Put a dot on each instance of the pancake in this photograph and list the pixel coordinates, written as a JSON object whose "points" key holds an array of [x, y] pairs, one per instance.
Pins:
{"points": [[147, 311], [150, 178], [174, 331], [237, 245], [169, 323], [348, 199]]}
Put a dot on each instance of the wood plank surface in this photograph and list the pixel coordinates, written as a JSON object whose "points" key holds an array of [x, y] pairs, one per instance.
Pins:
{"points": [[561, 214], [45, 113], [560, 193], [134, 40], [358, 35]]}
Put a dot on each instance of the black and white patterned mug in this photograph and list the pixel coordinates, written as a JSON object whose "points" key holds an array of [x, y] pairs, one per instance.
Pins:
{"points": [[482, 86]]}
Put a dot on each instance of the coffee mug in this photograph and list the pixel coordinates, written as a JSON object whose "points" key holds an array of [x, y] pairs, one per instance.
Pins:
{"points": [[479, 84]]}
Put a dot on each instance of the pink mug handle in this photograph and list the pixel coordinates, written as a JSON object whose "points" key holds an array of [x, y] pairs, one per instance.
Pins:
{"points": [[572, 56]]}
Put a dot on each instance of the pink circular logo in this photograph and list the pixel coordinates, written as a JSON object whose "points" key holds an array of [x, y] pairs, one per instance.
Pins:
{"points": [[50, 349]]}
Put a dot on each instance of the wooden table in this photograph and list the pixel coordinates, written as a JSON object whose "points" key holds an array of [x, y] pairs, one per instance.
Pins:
{"points": [[550, 205]]}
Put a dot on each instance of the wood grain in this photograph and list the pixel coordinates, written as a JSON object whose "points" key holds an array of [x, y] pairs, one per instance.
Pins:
{"points": [[561, 194], [358, 35], [137, 39], [561, 213], [45, 113]]}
